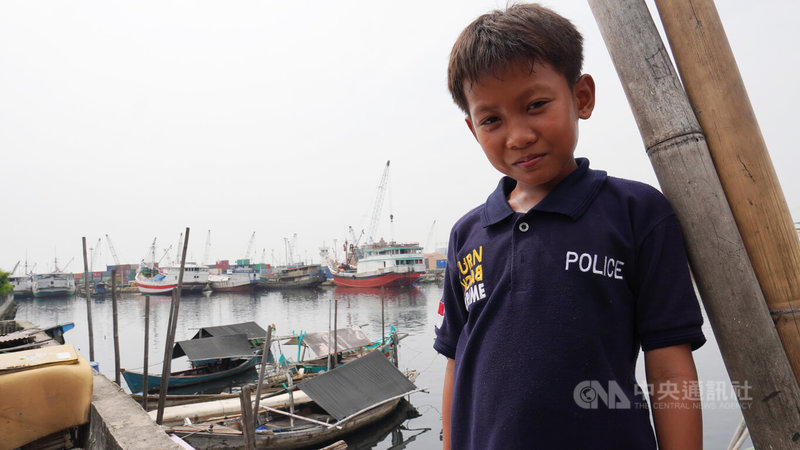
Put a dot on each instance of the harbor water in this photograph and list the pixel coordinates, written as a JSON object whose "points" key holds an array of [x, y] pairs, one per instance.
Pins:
{"points": [[411, 311]]}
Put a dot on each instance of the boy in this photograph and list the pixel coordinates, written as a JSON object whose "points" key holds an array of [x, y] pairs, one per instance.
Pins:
{"points": [[554, 284]]}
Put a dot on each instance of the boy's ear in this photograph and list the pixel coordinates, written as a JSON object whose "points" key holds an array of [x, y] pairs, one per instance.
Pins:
{"points": [[471, 127], [584, 96]]}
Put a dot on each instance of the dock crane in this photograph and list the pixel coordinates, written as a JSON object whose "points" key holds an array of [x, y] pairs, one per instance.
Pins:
{"points": [[373, 225], [94, 254], [250, 246], [113, 251], [429, 241], [289, 248], [207, 249], [178, 249]]}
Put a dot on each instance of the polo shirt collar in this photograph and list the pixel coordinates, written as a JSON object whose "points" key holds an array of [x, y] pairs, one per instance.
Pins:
{"points": [[571, 197]]}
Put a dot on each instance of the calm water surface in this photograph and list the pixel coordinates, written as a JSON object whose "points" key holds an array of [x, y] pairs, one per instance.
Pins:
{"points": [[410, 310]]}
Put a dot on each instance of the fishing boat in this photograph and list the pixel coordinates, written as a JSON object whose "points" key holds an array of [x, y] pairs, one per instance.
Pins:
{"points": [[380, 264], [350, 343], [327, 408], [23, 285], [293, 276], [53, 283], [233, 282], [152, 279], [212, 358], [16, 335]]}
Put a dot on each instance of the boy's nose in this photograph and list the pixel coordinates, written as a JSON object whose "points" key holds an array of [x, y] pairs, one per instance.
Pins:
{"points": [[520, 136]]}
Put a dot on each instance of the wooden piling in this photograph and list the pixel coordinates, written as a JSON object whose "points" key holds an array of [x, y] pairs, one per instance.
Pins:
{"points": [[88, 301], [248, 430], [748, 340], [145, 370], [262, 370], [335, 334], [707, 67], [170, 342], [115, 326]]}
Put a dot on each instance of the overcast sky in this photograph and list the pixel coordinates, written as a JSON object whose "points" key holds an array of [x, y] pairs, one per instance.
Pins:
{"points": [[138, 119]]}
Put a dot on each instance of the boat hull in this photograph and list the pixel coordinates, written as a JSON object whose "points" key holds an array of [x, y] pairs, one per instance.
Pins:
{"points": [[303, 438], [225, 287], [135, 380], [391, 279]]}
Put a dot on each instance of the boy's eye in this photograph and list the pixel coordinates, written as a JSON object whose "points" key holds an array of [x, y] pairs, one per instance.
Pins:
{"points": [[537, 105], [489, 120]]}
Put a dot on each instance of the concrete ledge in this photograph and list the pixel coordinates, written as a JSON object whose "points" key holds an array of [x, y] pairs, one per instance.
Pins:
{"points": [[117, 422]]}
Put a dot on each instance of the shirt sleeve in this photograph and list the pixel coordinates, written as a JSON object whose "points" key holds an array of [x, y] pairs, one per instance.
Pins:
{"points": [[451, 313], [667, 310]]}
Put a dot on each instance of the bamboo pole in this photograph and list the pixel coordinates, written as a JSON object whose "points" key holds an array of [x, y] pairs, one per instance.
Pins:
{"points": [[248, 430], [263, 369], [173, 323], [335, 333], [707, 67], [115, 326], [88, 301], [749, 343], [146, 350]]}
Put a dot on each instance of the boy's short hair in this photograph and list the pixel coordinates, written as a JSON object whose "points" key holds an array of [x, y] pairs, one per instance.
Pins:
{"points": [[521, 32]]}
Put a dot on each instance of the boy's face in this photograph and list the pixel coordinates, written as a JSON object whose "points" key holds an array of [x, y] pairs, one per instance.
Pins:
{"points": [[527, 123]]}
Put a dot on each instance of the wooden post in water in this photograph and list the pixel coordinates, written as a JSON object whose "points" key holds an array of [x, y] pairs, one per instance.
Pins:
{"points": [[88, 301], [330, 307], [115, 325], [262, 370], [749, 343], [248, 430], [174, 308], [707, 67], [335, 333], [146, 350], [383, 333]]}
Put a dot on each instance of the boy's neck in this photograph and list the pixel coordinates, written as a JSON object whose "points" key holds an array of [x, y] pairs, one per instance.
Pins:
{"points": [[525, 196]]}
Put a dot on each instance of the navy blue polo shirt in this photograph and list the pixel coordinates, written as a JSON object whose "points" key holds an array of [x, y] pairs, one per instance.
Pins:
{"points": [[544, 314]]}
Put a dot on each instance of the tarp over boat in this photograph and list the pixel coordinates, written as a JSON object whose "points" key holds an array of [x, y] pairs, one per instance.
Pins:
{"points": [[357, 385], [251, 329], [346, 339], [217, 347]]}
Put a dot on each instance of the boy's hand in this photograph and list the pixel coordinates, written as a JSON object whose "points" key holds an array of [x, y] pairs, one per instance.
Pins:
{"points": [[674, 397]]}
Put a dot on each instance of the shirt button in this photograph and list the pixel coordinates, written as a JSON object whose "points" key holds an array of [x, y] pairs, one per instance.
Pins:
{"points": [[523, 227]]}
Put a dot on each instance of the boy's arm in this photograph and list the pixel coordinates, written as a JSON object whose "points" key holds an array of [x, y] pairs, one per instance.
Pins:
{"points": [[674, 396], [447, 402]]}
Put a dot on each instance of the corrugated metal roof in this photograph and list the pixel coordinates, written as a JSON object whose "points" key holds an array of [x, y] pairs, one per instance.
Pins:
{"points": [[229, 346], [346, 339], [251, 329], [356, 385]]}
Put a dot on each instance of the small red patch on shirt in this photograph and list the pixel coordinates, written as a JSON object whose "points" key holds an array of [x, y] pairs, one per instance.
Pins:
{"points": [[441, 308]]}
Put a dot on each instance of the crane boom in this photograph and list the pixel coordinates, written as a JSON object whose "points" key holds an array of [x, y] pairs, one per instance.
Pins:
{"points": [[113, 251], [250, 246], [373, 224], [208, 248], [93, 256]]}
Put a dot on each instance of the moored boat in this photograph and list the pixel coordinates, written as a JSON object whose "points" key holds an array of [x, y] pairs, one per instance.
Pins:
{"points": [[381, 265], [334, 404], [232, 282], [152, 279], [212, 358], [293, 276], [53, 283], [23, 285]]}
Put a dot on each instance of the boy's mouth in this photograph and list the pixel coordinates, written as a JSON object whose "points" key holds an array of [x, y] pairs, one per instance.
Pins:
{"points": [[529, 161]]}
